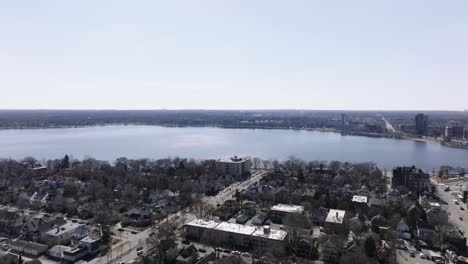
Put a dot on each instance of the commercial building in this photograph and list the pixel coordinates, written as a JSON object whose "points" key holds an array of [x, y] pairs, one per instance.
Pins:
{"points": [[71, 254], [280, 211], [454, 129], [235, 166], [61, 235], [236, 236], [422, 123]]}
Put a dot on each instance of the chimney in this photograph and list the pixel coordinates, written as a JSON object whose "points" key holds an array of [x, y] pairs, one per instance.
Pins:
{"points": [[266, 230]]}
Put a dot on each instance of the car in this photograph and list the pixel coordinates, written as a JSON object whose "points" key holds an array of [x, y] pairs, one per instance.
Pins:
{"points": [[422, 255], [461, 218], [74, 221], [5, 246], [121, 262], [139, 248], [202, 250], [245, 254], [151, 234], [456, 202], [218, 205], [227, 251], [412, 254], [187, 211], [139, 253], [177, 217], [120, 229], [461, 208], [236, 253], [134, 232], [158, 227]]}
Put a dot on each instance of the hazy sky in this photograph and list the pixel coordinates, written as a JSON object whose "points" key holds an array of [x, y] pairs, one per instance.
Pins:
{"points": [[220, 54]]}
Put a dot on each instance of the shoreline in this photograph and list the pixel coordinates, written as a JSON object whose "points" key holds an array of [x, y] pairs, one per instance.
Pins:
{"points": [[318, 129]]}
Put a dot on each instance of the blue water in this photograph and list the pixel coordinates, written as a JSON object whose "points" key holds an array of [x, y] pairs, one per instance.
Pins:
{"points": [[111, 142]]}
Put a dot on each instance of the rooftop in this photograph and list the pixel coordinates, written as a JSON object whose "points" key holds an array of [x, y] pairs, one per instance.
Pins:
{"points": [[359, 199], [203, 223], [273, 234], [236, 228], [234, 159], [335, 216], [91, 238], [68, 227], [296, 209]]}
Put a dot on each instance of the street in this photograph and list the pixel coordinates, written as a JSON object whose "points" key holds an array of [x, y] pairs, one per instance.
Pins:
{"points": [[125, 250]]}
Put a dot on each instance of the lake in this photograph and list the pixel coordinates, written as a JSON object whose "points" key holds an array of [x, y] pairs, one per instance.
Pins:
{"points": [[134, 141]]}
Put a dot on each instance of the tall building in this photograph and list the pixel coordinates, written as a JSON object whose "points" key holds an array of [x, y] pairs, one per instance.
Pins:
{"points": [[414, 179], [235, 166], [454, 129], [465, 132], [344, 120], [422, 123]]}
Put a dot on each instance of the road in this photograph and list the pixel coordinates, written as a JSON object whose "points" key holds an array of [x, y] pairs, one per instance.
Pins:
{"points": [[403, 257], [454, 210], [228, 192], [388, 125], [125, 250]]}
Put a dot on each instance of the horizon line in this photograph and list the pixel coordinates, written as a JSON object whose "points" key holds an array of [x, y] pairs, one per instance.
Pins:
{"points": [[237, 109]]}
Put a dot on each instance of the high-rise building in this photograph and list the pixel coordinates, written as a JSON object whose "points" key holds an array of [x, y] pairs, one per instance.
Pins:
{"points": [[422, 123], [454, 129], [465, 133], [234, 166]]}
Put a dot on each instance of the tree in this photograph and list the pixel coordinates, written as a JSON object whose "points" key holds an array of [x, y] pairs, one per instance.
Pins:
{"points": [[65, 162], [369, 246]]}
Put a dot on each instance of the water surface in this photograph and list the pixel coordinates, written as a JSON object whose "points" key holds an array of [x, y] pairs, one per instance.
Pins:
{"points": [[111, 142]]}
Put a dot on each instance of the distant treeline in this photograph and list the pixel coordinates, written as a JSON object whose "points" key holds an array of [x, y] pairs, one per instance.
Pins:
{"points": [[221, 118]]}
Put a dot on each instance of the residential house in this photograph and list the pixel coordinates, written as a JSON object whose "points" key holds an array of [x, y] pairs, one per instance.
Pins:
{"points": [[304, 248], [137, 217], [188, 255], [403, 231], [330, 251], [319, 215], [377, 222]]}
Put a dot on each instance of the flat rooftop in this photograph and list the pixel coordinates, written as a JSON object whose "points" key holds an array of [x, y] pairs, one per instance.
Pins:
{"points": [[335, 216], [359, 199], [286, 208], [236, 228], [68, 227], [273, 235], [203, 223], [233, 160]]}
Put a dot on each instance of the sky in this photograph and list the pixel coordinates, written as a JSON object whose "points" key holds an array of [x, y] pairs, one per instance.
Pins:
{"points": [[243, 54]]}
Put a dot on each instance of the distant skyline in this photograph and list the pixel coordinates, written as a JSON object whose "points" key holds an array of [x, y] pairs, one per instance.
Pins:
{"points": [[247, 54]]}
